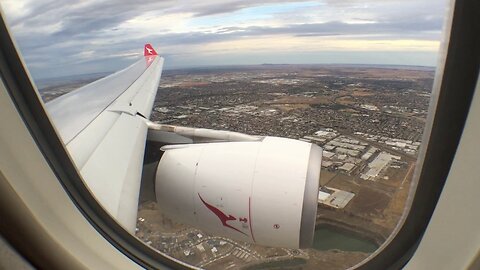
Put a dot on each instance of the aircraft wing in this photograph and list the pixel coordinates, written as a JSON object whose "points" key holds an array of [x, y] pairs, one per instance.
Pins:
{"points": [[103, 126], [223, 182]]}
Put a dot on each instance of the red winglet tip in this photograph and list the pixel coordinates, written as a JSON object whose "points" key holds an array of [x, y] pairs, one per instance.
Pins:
{"points": [[149, 50]]}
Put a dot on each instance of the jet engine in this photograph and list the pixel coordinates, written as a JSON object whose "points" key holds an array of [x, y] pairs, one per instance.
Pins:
{"points": [[263, 192]]}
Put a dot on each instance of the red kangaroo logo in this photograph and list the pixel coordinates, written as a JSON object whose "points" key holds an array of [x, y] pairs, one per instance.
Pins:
{"points": [[222, 216]]}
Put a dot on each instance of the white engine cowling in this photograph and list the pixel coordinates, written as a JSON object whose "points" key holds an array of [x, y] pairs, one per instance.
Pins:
{"points": [[263, 192]]}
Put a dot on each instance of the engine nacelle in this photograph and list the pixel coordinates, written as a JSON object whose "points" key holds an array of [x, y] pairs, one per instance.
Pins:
{"points": [[264, 192]]}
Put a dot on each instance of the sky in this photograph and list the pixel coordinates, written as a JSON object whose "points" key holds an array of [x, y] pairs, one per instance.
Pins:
{"points": [[62, 38]]}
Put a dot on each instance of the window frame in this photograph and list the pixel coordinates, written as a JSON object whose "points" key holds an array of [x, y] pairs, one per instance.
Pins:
{"points": [[450, 109], [25, 97]]}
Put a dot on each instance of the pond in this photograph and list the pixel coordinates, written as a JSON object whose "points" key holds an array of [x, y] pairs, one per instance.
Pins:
{"points": [[327, 238]]}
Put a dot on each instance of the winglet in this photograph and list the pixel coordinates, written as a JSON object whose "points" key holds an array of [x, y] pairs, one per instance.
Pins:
{"points": [[148, 50]]}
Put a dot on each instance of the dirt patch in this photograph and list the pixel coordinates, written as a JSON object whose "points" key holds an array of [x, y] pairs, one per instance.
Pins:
{"points": [[290, 107], [362, 93], [369, 201], [396, 207], [326, 176], [301, 100], [344, 182], [348, 110], [157, 220], [345, 100]]}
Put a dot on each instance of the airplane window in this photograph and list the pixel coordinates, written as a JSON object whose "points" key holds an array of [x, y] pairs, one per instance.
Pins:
{"points": [[249, 93]]}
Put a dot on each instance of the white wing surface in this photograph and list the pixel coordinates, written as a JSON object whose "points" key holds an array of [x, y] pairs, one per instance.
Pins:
{"points": [[103, 126]]}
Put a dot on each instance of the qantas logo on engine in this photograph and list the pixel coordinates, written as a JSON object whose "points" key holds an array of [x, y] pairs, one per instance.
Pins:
{"points": [[221, 215]]}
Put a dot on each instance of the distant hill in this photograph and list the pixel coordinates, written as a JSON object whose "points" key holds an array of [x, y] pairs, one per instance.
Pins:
{"points": [[44, 83]]}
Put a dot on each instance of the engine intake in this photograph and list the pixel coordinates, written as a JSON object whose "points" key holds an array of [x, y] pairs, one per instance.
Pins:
{"points": [[264, 192]]}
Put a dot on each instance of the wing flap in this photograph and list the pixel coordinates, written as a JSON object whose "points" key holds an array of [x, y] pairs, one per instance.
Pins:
{"points": [[112, 172], [87, 141]]}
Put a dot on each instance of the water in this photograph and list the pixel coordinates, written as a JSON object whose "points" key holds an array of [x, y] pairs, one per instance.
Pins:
{"points": [[326, 238]]}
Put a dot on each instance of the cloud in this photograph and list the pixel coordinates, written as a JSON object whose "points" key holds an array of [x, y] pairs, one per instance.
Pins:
{"points": [[69, 37]]}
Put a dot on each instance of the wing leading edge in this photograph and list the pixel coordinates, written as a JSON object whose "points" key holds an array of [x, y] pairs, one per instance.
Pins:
{"points": [[103, 125]]}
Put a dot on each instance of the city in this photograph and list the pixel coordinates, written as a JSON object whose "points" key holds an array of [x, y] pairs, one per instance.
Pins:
{"points": [[368, 120]]}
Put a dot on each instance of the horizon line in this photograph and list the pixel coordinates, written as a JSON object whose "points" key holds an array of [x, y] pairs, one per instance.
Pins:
{"points": [[245, 65]]}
